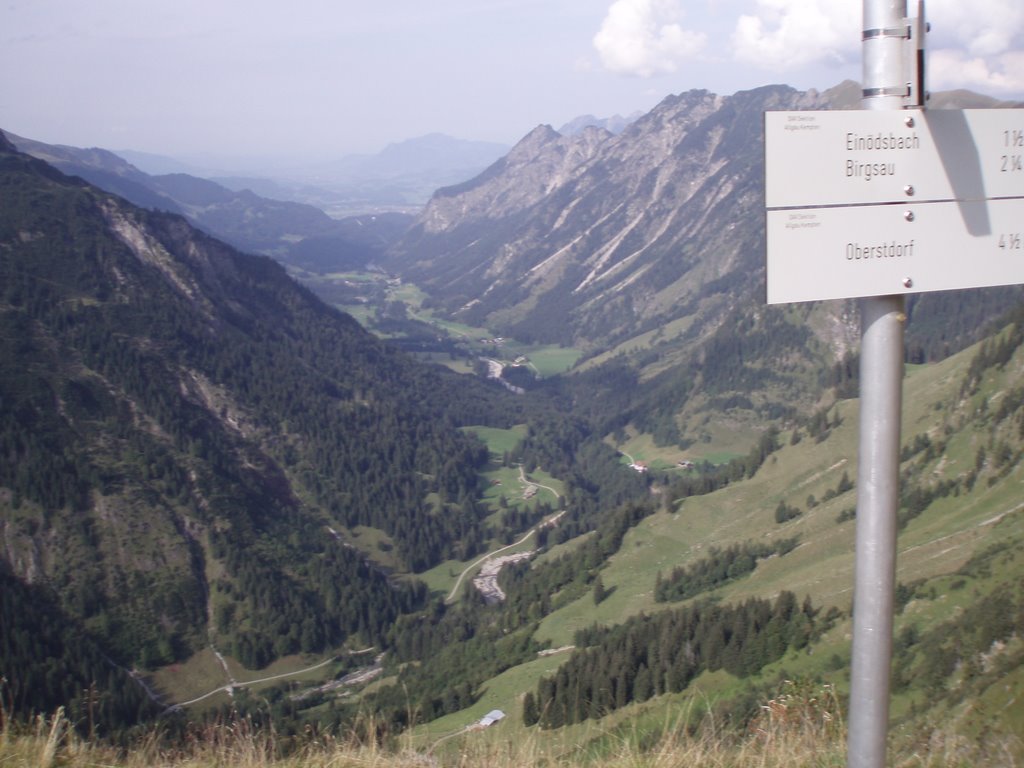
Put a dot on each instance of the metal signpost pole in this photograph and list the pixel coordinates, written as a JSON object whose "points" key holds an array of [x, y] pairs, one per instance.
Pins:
{"points": [[877, 499], [881, 375]]}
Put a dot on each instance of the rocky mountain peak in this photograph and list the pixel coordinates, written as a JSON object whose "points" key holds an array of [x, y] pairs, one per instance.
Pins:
{"points": [[541, 162], [531, 142], [596, 226]]}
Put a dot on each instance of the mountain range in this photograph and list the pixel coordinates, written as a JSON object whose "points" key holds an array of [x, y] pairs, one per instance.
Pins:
{"points": [[401, 177], [645, 251], [592, 238], [296, 233]]}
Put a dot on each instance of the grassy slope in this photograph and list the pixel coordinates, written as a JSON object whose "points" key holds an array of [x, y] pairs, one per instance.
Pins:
{"points": [[545, 359], [938, 542], [931, 547]]}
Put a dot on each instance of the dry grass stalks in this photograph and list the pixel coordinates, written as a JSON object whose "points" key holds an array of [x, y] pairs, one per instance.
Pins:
{"points": [[799, 728]]}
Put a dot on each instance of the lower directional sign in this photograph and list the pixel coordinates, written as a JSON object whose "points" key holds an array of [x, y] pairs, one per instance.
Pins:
{"points": [[874, 250]]}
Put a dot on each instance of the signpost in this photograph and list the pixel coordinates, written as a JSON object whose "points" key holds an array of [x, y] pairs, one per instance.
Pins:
{"points": [[873, 203], [876, 204]]}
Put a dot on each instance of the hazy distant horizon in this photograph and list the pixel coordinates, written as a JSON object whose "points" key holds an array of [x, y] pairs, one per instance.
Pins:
{"points": [[213, 163], [317, 78]]}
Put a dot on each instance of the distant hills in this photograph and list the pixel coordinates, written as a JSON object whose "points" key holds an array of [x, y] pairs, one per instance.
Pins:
{"points": [[295, 233], [615, 124], [432, 156], [401, 177]]}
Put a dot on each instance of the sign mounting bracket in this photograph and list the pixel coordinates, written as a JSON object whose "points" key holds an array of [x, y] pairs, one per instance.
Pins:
{"points": [[914, 59]]}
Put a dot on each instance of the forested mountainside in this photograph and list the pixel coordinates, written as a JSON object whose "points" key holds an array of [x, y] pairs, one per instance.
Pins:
{"points": [[295, 233], [188, 439]]}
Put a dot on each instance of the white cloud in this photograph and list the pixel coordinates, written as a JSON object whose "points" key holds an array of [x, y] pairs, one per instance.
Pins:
{"points": [[973, 44], [982, 27], [784, 35], [949, 68], [644, 38], [976, 45]]}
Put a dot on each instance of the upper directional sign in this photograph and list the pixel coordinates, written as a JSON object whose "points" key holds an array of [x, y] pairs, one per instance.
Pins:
{"points": [[868, 157]]}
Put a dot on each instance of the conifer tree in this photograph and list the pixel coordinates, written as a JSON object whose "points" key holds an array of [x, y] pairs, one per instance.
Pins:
{"points": [[530, 714]]}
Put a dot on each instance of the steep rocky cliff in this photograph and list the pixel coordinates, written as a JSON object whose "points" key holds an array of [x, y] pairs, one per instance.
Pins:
{"points": [[590, 238]]}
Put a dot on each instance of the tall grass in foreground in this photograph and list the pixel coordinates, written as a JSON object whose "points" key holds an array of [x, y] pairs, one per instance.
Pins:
{"points": [[795, 730]]}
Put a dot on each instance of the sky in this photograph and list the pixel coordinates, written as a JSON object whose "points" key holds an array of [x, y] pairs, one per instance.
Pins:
{"points": [[327, 78]]}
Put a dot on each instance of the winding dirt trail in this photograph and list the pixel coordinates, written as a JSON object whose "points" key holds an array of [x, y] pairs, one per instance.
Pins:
{"points": [[234, 684], [543, 524]]}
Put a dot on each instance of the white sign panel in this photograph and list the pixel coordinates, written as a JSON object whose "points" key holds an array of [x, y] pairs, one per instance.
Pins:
{"points": [[853, 251], [865, 157]]}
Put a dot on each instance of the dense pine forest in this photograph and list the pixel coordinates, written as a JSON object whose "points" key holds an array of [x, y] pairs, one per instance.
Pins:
{"points": [[247, 419], [651, 655], [252, 423]]}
